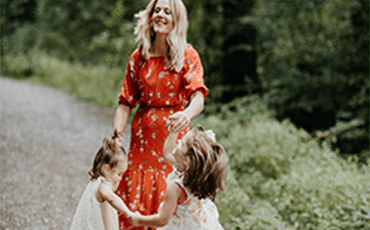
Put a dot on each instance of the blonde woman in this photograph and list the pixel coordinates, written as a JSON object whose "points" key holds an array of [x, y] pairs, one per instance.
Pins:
{"points": [[164, 76]]}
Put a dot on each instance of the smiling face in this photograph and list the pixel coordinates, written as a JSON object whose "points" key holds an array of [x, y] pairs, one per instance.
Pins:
{"points": [[162, 17]]}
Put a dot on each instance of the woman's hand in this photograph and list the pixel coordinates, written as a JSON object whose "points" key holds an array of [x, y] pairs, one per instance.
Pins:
{"points": [[181, 119], [178, 121]]}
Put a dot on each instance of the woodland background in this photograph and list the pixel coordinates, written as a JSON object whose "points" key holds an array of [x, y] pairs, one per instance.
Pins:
{"points": [[289, 93]]}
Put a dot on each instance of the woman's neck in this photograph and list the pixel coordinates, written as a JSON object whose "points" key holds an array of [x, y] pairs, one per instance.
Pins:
{"points": [[159, 47]]}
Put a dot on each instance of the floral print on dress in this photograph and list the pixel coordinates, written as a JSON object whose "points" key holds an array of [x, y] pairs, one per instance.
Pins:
{"points": [[160, 92], [193, 213]]}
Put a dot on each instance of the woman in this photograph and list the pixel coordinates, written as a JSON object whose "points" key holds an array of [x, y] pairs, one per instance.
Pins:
{"points": [[163, 76]]}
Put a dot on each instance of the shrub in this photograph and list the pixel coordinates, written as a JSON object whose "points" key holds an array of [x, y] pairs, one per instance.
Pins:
{"points": [[237, 211], [99, 84], [17, 66], [313, 63], [288, 173]]}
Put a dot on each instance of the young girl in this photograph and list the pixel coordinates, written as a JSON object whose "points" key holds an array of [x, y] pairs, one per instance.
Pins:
{"points": [[199, 170], [98, 206]]}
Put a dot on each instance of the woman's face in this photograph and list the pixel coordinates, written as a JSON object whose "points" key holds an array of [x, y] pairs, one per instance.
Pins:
{"points": [[162, 17]]}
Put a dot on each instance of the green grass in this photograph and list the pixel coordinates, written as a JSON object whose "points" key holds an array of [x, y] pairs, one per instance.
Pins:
{"points": [[98, 84]]}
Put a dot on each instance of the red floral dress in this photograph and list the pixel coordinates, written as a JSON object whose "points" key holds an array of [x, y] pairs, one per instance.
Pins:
{"points": [[160, 92]]}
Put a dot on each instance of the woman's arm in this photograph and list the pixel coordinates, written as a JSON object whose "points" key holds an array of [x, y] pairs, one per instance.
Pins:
{"points": [[182, 118], [166, 210], [121, 118], [196, 104], [105, 193]]}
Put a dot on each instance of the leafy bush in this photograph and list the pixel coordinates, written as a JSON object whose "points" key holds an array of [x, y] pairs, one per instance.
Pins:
{"points": [[112, 49], [295, 180], [17, 66], [238, 212], [248, 106], [313, 62], [322, 192], [98, 84], [29, 37]]}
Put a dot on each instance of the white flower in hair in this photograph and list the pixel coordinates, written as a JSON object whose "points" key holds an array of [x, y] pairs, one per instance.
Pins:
{"points": [[120, 142], [211, 135]]}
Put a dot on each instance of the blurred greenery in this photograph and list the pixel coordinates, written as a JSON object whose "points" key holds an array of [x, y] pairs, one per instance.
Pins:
{"points": [[313, 62], [282, 177]]}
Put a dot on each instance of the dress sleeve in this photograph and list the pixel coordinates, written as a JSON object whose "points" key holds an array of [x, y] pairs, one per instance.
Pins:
{"points": [[129, 92], [193, 73]]}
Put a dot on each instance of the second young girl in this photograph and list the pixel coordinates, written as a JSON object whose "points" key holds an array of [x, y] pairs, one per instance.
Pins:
{"points": [[98, 206], [199, 164]]}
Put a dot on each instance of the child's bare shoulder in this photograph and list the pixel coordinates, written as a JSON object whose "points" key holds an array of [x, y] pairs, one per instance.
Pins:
{"points": [[174, 190], [104, 192]]}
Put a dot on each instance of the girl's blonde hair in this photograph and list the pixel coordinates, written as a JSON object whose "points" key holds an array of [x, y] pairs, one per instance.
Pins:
{"points": [[110, 153], [176, 39], [206, 164]]}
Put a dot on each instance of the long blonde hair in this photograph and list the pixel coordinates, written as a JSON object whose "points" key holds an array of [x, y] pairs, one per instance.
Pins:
{"points": [[176, 39]]}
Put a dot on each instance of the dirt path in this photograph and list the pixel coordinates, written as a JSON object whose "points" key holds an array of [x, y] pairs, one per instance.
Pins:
{"points": [[47, 142]]}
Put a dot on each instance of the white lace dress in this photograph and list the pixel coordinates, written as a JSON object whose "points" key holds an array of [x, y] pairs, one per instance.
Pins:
{"points": [[193, 213], [91, 214]]}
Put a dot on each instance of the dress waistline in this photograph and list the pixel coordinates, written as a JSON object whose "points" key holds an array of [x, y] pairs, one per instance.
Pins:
{"points": [[159, 107]]}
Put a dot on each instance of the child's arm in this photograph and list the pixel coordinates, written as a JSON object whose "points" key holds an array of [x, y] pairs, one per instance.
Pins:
{"points": [[105, 193], [169, 146], [166, 210]]}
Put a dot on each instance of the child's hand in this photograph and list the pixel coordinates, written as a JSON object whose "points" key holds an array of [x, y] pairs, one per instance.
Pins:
{"points": [[169, 125], [178, 121], [134, 218]]}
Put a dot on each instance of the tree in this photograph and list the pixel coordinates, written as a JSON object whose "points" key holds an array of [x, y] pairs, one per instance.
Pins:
{"points": [[226, 46], [313, 61]]}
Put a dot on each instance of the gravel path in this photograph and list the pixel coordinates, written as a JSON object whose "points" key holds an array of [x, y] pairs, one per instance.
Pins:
{"points": [[47, 142]]}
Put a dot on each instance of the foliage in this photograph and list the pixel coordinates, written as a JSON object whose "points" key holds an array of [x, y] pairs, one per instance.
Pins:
{"points": [[113, 50], [76, 21], [29, 37], [88, 82], [84, 31], [298, 181], [226, 46], [313, 61], [16, 65], [239, 212], [15, 13]]}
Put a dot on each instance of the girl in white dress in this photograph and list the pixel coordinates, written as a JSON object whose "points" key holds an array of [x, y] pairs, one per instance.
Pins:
{"points": [[98, 206], [199, 170]]}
